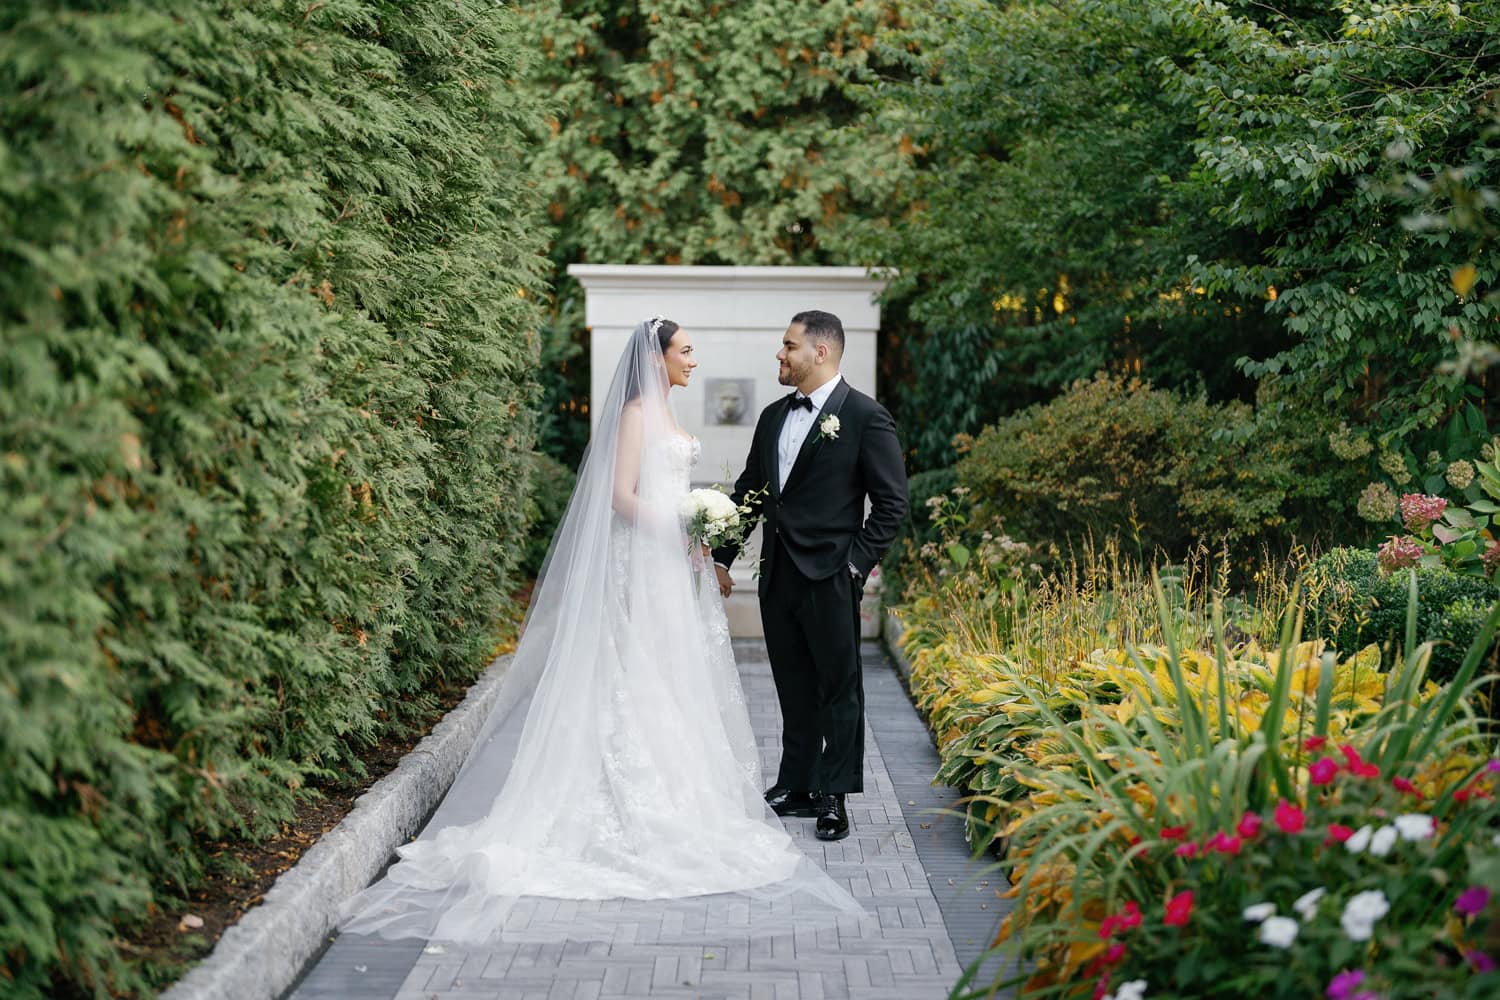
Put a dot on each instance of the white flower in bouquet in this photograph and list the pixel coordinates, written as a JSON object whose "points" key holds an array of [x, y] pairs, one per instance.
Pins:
{"points": [[710, 516]]}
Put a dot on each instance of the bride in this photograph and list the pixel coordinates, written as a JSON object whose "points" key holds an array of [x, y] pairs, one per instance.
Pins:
{"points": [[637, 775]]}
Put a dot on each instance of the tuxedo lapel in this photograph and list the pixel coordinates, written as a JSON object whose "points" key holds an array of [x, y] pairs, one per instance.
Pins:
{"points": [[771, 447], [814, 439]]}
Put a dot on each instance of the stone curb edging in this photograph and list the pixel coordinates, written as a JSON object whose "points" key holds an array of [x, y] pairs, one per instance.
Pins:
{"points": [[261, 956], [891, 635]]}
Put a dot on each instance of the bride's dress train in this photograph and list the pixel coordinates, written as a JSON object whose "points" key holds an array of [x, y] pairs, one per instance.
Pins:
{"points": [[637, 775]]}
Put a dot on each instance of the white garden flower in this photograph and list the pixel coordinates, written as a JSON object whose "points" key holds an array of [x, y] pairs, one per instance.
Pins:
{"points": [[1414, 826], [1383, 840], [1260, 911], [1133, 990], [1359, 840], [1307, 904], [1361, 912], [1278, 932]]}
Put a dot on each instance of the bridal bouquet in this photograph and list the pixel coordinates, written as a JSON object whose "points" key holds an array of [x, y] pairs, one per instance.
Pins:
{"points": [[711, 517]]}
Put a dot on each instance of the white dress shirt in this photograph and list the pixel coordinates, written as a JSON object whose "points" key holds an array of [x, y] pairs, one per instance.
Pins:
{"points": [[798, 423]]}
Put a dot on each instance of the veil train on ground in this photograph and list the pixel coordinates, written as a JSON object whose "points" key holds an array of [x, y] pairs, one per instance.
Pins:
{"points": [[636, 783]]}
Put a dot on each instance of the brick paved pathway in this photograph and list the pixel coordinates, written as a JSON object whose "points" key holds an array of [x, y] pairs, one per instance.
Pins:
{"points": [[906, 864]]}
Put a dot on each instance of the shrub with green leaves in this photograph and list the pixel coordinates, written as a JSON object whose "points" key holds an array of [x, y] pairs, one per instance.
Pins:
{"points": [[1117, 458], [1353, 602], [267, 279]]}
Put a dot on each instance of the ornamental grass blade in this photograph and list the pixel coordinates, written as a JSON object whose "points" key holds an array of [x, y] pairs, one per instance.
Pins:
{"points": [[1281, 688], [1221, 664], [1432, 725]]}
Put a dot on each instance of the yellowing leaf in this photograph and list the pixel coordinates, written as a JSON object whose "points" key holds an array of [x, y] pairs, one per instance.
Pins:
{"points": [[1464, 278]]}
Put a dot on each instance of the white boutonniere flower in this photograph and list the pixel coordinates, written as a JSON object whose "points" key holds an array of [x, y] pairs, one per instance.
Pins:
{"points": [[829, 427]]}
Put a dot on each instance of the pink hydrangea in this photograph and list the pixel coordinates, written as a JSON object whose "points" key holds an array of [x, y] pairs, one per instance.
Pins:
{"points": [[1399, 552], [1419, 510], [1491, 558]]}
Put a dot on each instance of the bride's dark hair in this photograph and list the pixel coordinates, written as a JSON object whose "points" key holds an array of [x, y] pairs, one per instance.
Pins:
{"points": [[663, 330]]}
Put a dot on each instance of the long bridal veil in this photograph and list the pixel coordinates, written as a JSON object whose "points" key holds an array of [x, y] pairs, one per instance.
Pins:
{"points": [[636, 776]]}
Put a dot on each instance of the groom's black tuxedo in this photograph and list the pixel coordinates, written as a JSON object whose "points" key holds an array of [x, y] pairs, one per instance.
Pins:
{"points": [[815, 529]]}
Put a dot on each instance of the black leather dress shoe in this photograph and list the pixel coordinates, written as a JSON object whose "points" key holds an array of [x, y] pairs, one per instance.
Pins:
{"points": [[833, 818], [785, 802]]}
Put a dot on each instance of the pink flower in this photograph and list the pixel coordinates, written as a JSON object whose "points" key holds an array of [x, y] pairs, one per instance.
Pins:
{"points": [[1481, 962], [1493, 767], [1402, 785], [1179, 909], [1314, 743], [1491, 558], [1398, 553], [1472, 901], [1224, 844], [1343, 985], [1356, 764], [1187, 850], [1322, 771], [1173, 832], [1290, 818], [1128, 918], [1249, 825], [1419, 510], [1338, 833]]}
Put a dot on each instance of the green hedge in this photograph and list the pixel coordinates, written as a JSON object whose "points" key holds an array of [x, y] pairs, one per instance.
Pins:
{"points": [[1164, 472], [267, 273], [1352, 604]]}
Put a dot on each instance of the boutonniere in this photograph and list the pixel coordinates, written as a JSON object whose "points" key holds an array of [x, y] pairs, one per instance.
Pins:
{"points": [[828, 427]]}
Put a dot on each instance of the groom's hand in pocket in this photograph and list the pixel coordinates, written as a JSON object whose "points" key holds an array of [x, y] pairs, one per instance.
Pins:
{"points": [[726, 584]]}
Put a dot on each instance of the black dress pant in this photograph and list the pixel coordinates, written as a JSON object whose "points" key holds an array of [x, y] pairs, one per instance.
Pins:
{"points": [[812, 636]]}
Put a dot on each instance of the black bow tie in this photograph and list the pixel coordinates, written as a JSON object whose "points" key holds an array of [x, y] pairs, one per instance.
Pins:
{"points": [[797, 399]]}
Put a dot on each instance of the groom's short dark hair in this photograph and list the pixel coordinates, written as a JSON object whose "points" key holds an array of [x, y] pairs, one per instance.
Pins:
{"points": [[824, 326]]}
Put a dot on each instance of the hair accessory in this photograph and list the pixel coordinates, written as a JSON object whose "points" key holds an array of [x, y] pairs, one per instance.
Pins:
{"points": [[653, 325]]}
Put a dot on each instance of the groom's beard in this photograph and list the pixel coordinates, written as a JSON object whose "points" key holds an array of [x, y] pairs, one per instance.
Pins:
{"points": [[791, 376]]}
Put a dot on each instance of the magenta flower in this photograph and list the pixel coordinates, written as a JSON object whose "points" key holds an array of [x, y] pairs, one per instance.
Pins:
{"points": [[1343, 985], [1322, 771], [1493, 767], [1398, 553], [1472, 901], [1249, 825], [1481, 962], [1289, 818]]}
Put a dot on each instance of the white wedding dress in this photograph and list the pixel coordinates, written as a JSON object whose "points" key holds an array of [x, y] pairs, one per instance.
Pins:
{"points": [[637, 775]]}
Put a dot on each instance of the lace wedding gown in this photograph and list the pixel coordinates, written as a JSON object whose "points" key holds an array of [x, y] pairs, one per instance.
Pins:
{"points": [[637, 775]]}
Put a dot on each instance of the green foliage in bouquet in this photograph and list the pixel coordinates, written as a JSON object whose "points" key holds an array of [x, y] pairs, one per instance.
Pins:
{"points": [[1353, 601], [266, 279]]}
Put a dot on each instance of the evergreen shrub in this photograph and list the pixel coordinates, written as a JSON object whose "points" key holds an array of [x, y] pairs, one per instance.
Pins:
{"points": [[1114, 457], [1352, 603], [267, 274], [551, 487]]}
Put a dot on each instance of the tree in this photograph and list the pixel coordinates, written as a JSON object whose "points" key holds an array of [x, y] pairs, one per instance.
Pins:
{"points": [[684, 135]]}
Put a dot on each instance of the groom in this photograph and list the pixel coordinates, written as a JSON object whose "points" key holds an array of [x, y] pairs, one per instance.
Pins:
{"points": [[817, 455]]}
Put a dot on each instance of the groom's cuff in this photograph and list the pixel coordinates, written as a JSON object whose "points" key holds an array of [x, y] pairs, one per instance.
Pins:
{"points": [[722, 566]]}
